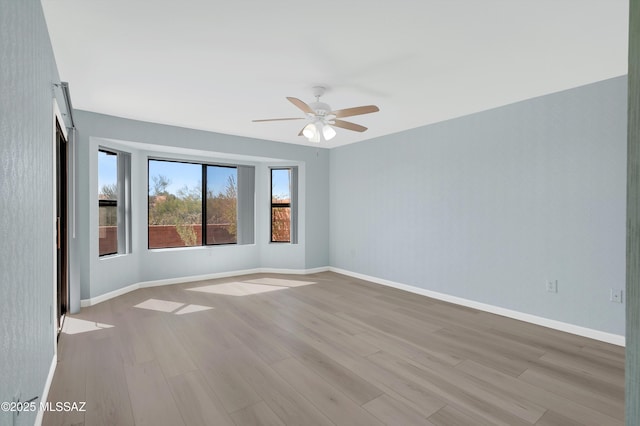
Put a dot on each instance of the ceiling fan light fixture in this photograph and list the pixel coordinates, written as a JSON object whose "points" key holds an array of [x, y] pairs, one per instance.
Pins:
{"points": [[328, 132], [312, 132], [309, 131]]}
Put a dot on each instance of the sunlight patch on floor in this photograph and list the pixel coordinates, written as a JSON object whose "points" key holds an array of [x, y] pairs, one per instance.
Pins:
{"points": [[189, 309], [77, 326], [176, 308], [250, 287], [237, 289], [159, 305]]}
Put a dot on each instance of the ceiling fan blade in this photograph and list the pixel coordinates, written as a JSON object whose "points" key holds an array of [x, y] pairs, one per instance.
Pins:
{"points": [[304, 107], [349, 125], [278, 119], [350, 112]]}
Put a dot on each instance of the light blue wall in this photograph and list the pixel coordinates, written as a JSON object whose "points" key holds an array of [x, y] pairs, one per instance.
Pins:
{"points": [[27, 71], [100, 276], [489, 206]]}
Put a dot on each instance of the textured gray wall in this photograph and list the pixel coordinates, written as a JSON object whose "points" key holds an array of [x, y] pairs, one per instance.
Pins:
{"points": [[489, 206], [99, 276], [27, 71]]}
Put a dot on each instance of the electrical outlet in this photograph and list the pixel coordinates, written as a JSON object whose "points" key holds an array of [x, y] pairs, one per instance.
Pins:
{"points": [[552, 286], [616, 296]]}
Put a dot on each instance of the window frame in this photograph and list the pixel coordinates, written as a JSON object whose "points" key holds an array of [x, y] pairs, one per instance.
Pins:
{"points": [[203, 195], [280, 205], [204, 202], [122, 202]]}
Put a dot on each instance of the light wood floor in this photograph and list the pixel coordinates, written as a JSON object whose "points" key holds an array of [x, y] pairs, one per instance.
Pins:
{"points": [[324, 349]]}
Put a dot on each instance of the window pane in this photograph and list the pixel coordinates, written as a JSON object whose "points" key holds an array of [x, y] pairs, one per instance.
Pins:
{"points": [[222, 205], [280, 224], [107, 203], [280, 186], [175, 204], [281, 205]]}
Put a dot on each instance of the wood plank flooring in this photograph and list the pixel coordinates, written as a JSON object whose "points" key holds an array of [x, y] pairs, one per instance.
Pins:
{"points": [[324, 349]]}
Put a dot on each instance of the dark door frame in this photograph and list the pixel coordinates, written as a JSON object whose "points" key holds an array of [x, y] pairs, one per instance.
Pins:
{"points": [[61, 172]]}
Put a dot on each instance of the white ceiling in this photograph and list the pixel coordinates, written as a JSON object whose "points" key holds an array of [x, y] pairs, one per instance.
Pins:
{"points": [[216, 65]]}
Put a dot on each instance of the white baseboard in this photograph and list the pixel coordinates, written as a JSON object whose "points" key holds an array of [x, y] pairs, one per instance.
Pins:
{"points": [[615, 339], [95, 300], [45, 391]]}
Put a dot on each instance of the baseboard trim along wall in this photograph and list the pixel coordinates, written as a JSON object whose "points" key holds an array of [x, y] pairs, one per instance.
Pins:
{"points": [[45, 391], [545, 322], [95, 300]]}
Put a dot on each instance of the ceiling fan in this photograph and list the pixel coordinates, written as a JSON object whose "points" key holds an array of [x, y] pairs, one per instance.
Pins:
{"points": [[322, 118]]}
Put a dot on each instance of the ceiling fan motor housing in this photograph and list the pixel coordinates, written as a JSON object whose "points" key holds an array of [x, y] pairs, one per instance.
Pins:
{"points": [[320, 108]]}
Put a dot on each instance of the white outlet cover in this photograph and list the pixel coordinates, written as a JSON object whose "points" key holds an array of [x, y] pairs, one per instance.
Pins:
{"points": [[616, 296]]}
